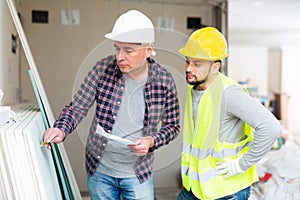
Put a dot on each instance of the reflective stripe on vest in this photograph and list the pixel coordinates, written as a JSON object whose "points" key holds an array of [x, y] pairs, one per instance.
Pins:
{"points": [[202, 154], [202, 151]]}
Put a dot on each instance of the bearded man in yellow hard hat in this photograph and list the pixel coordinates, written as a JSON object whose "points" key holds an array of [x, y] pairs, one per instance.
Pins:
{"points": [[226, 131]]}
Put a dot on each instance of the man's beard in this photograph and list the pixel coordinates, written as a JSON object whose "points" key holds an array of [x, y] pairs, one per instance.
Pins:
{"points": [[197, 82]]}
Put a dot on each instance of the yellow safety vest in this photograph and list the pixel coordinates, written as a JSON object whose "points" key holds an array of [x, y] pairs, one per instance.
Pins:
{"points": [[202, 150]]}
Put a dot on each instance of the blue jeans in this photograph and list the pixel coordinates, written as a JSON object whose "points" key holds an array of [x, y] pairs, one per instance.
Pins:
{"points": [[240, 195], [103, 187]]}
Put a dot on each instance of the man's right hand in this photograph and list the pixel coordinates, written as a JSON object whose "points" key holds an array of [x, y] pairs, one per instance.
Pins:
{"points": [[53, 135]]}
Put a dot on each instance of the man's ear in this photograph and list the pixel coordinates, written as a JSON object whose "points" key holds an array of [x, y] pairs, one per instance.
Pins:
{"points": [[149, 50], [216, 67]]}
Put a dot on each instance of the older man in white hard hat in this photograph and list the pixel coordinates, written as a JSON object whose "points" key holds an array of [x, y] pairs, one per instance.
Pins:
{"points": [[136, 100]]}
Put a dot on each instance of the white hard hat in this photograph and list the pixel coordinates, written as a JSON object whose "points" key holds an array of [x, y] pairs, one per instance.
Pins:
{"points": [[132, 27]]}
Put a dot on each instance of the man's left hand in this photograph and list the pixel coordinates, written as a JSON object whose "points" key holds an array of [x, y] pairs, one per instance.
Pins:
{"points": [[142, 145], [229, 168]]}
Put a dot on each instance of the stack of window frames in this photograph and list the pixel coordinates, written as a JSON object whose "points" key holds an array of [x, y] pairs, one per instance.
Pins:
{"points": [[27, 170]]}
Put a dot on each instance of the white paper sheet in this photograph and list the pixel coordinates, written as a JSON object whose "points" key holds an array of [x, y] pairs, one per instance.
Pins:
{"points": [[101, 131]]}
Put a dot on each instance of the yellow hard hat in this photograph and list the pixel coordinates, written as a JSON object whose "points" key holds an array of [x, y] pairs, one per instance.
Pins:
{"points": [[206, 44]]}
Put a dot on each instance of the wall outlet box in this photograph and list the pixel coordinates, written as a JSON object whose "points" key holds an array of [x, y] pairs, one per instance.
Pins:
{"points": [[39, 16]]}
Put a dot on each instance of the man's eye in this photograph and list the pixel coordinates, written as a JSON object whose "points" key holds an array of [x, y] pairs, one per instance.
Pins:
{"points": [[128, 50]]}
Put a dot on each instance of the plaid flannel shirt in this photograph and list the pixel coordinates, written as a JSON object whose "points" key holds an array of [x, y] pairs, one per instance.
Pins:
{"points": [[104, 85]]}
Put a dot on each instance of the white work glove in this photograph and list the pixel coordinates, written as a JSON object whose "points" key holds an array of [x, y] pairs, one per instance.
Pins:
{"points": [[229, 168]]}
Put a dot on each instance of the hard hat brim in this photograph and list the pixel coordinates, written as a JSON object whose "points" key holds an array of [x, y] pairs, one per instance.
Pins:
{"points": [[134, 36]]}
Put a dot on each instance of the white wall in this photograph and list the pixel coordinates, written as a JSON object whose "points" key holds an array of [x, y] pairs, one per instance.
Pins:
{"points": [[251, 64], [278, 72], [290, 85]]}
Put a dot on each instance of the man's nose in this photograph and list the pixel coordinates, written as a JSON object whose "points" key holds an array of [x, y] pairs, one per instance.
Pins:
{"points": [[188, 66], [120, 54]]}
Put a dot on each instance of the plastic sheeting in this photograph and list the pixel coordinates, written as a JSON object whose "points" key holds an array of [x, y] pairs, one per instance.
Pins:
{"points": [[283, 165]]}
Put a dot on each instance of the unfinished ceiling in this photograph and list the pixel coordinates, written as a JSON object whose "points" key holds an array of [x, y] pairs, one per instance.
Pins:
{"points": [[182, 2], [264, 15], [252, 15]]}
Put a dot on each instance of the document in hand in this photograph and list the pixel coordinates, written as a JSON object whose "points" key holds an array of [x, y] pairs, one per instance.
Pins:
{"points": [[101, 131]]}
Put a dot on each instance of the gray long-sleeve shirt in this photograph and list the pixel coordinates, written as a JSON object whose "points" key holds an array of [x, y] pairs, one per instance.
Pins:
{"points": [[238, 106]]}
